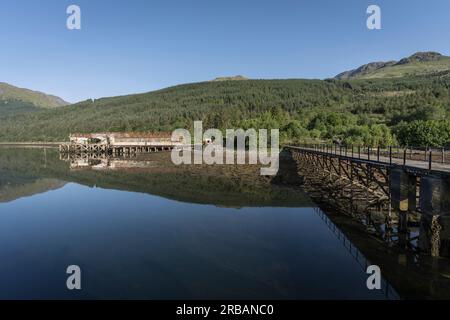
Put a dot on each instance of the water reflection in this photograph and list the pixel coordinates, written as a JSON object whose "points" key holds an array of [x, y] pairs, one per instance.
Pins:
{"points": [[154, 174], [356, 254], [144, 228]]}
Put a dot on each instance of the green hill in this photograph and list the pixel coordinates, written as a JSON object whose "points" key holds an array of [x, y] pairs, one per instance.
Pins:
{"points": [[358, 110], [413, 109], [420, 63], [16, 100]]}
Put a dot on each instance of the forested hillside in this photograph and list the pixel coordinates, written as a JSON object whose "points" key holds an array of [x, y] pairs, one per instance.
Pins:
{"points": [[414, 109]]}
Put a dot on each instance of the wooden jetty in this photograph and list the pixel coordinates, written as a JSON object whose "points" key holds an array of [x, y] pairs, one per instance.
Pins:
{"points": [[404, 184], [118, 143], [411, 185]]}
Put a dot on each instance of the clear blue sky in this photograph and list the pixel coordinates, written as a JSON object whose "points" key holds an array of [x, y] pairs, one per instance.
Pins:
{"points": [[142, 45]]}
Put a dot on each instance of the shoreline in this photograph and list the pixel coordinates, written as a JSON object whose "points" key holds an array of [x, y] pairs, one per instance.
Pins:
{"points": [[30, 144]]}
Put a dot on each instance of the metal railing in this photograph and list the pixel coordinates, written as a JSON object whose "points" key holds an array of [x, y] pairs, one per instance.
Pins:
{"points": [[391, 154]]}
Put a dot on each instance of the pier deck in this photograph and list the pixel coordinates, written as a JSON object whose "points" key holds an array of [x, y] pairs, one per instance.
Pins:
{"points": [[405, 183], [408, 158]]}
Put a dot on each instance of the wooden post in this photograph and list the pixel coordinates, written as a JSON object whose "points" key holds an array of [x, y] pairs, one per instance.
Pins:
{"points": [[404, 157], [390, 154], [378, 154], [430, 160]]}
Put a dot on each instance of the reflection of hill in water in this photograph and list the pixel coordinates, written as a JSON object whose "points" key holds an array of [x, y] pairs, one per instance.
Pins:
{"points": [[225, 185], [12, 190]]}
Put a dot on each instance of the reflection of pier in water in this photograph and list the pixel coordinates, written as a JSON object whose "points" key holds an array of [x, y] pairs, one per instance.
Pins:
{"points": [[428, 277], [103, 161], [356, 254]]}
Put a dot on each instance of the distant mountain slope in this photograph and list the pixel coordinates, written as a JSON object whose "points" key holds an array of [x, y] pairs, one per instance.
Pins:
{"points": [[420, 63], [12, 97], [239, 77], [27, 188]]}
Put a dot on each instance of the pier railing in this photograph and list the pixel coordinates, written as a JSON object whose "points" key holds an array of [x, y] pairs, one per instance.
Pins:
{"points": [[432, 157]]}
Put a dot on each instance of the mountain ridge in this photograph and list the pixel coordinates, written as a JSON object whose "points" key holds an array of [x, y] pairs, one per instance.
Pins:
{"points": [[420, 63], [12, 96]]}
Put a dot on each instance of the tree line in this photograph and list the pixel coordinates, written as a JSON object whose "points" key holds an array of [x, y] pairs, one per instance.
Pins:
{"points": [[413, 111]]}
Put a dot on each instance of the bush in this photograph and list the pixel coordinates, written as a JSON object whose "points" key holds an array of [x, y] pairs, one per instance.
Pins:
{"points": [[431, 133]]}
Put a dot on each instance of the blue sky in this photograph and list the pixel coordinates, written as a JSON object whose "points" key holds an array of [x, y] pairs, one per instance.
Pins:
{"points": [[142, 45]]}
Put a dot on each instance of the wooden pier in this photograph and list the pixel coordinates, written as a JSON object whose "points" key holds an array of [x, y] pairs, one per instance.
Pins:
{"points": [[410, 185], [405, 190], [119, 143]]}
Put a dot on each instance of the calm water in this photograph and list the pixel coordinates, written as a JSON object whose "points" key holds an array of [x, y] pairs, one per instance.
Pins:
{"points": [[161, 232]]}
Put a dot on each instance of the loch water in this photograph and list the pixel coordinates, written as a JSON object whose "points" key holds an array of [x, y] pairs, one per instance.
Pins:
{"points": [[147, 229]]}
